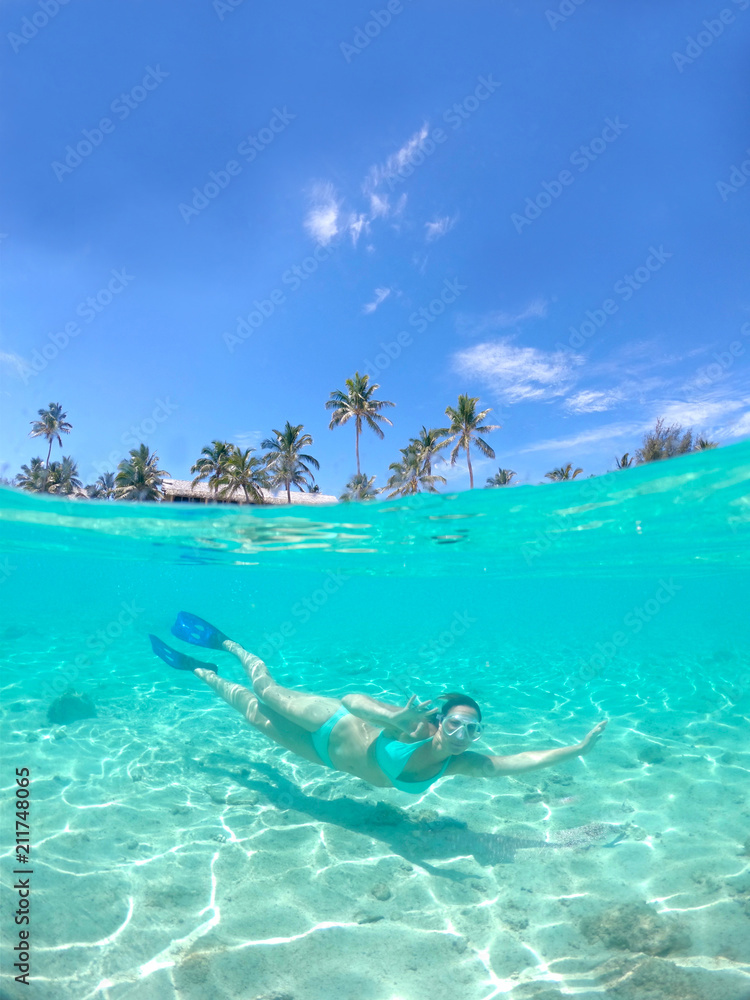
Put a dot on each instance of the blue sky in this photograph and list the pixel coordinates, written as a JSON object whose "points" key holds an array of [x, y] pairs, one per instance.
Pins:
{"points": [[214, 213]]}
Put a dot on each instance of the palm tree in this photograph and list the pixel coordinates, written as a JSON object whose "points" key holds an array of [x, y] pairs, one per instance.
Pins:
{"points": [[466, 425], [357, 402], [51, 426], [212, 463], [285, 471], [626, 461], [703, 444], [33, 478], [410, 474], [501, 478], [429, 443], [359, 487], [103, 488], [243, 472], [565, 472], [63, 477], [138, 477], [286, 462]]}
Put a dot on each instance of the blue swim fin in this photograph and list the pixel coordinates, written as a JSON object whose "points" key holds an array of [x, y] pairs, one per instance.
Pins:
{"points": [[196, 631], [177, 660]]}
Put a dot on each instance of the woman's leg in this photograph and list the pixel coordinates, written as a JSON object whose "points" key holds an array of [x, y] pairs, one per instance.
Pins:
{"points": [[309, 711], [277, 728]]}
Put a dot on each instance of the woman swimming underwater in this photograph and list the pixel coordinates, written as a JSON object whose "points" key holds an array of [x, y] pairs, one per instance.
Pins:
{"points": [[407, 747]]}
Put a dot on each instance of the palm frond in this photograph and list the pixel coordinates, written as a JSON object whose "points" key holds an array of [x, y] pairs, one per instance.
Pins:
{"points": [[484, 447]]}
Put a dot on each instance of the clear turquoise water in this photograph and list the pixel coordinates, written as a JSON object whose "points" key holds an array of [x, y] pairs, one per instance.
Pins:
{"points": [[176, 854]]}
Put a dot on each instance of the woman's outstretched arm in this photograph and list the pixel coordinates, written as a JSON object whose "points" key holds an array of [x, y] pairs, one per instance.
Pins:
{"points": [[484, 766], [394, 718]]}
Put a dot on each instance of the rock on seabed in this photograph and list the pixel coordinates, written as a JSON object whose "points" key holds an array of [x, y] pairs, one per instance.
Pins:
{"points": [[637, 927]]}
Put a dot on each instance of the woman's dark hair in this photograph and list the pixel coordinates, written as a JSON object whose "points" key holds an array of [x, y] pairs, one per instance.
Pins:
{"points": [[453, 698]]}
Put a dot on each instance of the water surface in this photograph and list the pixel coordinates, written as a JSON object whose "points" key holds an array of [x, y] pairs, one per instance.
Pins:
{"points": [[177, 854]]}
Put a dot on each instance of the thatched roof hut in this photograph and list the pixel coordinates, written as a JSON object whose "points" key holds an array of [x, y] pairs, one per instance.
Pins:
{"points": [[183, 491]]}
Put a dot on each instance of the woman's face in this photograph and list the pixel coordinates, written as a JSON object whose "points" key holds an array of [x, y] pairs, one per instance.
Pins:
{"points": [[459, 728]]}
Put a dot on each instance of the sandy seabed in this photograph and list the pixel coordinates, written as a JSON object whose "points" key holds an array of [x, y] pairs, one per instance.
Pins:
{"points": [[177, 854]]}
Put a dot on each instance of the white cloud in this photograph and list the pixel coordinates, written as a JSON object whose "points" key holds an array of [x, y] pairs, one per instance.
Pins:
{"points": [[322, 219], [379, 205], [500, 319], [395, 162], [519, 373], [420, 262], [635, 350], [607, 432], [381, 294], [591, 401], [326, 218], [741, 427], [439, 227], [248, 439], [633, 358], [14, 361], [599, 400], [355, 225], [534, 310], [698, 413]]}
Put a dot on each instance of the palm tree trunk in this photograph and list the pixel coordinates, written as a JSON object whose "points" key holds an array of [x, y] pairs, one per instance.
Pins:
{"points": [[471, 472], [356, 439], [49, 452], [288, 492]]}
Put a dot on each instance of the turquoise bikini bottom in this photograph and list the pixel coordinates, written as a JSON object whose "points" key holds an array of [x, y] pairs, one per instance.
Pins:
{"points": [[391, 754], [322, 736]]}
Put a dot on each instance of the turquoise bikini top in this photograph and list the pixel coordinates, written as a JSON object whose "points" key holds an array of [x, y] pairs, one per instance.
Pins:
{"points": [[392, 755]]}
